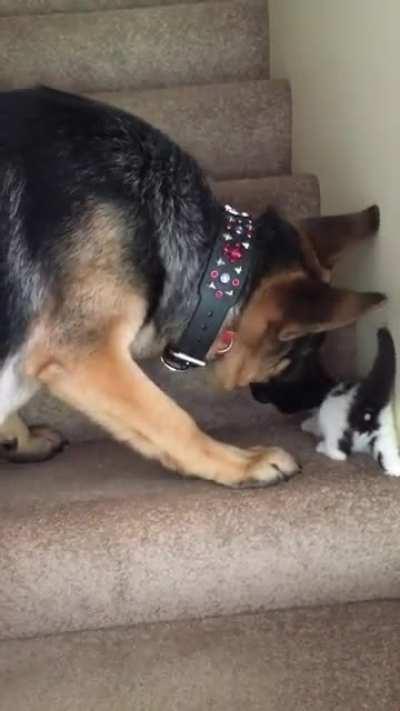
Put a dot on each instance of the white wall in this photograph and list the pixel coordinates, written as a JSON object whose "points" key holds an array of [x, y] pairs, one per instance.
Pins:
{"points": [[342, 58]]}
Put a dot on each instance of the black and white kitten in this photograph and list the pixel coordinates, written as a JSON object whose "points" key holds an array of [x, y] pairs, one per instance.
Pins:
{"points": [[358, 417]]}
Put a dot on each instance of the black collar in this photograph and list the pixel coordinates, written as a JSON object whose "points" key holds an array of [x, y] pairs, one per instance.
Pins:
{"points": [[221, 287]]}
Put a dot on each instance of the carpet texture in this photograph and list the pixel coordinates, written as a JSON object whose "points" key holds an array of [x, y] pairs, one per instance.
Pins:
{"points": [[100, 537], [256, 144], [32, 7], [343, 658], [139, 48], [295, 196]]}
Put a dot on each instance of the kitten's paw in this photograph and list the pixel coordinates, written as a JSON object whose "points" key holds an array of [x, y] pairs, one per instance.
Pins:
{"points": [[392, 470], [320, 448], [389, 463], [331, 452]]}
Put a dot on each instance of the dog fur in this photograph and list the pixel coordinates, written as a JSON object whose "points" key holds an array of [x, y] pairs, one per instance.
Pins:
{"points": [[106, 227]]}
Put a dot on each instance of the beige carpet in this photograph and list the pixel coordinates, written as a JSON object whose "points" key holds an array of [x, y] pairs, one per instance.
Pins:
{"points": [[328, 659], [139, 48], [100, 537]]}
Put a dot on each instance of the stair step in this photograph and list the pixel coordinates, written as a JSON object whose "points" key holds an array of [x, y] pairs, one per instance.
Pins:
{"points": [[137, 48], [99, 537], [295, 196], [40, 7], [342, 658], [235, 130]]}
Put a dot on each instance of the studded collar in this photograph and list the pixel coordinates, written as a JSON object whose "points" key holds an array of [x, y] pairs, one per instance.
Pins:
{"points": [[220, 289]]}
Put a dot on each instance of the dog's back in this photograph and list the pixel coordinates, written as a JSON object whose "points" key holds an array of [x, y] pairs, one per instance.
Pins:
{"points": [[19, 280], [84, 182]]}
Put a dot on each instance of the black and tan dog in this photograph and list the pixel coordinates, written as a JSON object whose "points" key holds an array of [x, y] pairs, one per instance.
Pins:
{"points": [[106, 232]]}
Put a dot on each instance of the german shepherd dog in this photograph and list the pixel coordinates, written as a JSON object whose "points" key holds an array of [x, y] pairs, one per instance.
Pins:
{"points": [[106, 228]]}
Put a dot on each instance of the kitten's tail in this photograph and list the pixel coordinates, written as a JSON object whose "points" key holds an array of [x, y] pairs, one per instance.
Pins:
{"points": [[378, 386]]}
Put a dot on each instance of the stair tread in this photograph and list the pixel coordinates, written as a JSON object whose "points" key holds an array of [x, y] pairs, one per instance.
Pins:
{"points": [[295, 196], [100, 537], [136, 48], [344, 657], [235, 129], [28, 7]]}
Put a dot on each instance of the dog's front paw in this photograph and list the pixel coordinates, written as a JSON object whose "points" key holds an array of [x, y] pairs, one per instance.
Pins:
{"points": [[41, 444], [268, 466]]}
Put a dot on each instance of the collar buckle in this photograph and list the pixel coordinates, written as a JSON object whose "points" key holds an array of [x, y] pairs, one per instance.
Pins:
{"points": [[178, 362]]}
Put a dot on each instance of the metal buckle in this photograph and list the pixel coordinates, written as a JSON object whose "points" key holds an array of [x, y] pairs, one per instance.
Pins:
{"points": [[188, 359], [178, 362]]}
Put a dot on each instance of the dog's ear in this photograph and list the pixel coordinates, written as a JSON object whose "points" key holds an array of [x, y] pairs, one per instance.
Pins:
{"points": [[331, 236], [310, 306]]}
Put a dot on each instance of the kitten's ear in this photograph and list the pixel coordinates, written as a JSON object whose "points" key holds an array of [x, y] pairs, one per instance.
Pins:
{"points": [[309, 306], [331, 236]]}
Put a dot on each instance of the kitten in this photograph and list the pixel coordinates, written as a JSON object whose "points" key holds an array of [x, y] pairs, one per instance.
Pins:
{"points": [[358, 417]]}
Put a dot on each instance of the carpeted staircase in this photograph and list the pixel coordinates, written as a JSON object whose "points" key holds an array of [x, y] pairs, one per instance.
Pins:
{"points": [[123, 587]]}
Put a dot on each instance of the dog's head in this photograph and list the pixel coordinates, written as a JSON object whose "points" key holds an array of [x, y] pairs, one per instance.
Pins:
{"points": [[304, 383], [291, 301]]}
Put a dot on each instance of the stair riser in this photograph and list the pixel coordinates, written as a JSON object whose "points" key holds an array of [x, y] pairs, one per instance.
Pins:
{"points": [[295, 196], [130, 49], [235, 130]]}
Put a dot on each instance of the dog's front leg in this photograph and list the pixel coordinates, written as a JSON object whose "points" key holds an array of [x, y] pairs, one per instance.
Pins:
{"points": [[109, 386]]}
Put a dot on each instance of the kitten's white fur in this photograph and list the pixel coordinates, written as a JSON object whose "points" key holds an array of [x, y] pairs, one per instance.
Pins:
{"points": [[330, 422]]}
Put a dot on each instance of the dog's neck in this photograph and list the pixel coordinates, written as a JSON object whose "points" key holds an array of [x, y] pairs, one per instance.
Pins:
{"points": [[221, 288]]}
